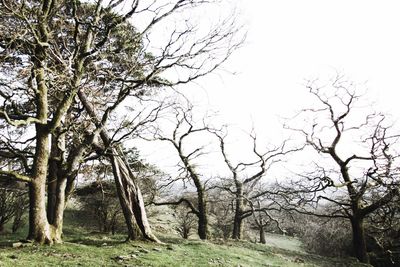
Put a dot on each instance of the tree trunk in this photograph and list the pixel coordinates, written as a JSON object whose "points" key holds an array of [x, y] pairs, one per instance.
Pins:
{"points": [[237, 227], [40, 230], [56, 187], [262, 235], [238, 219], [131, 198], [203, 218], [359, 242], [203, 225], [52, 180], [129, 194], [59, 208]]}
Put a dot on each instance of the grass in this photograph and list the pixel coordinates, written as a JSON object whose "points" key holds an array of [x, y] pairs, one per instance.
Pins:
{"points": [[82, 248], [104, 250]]}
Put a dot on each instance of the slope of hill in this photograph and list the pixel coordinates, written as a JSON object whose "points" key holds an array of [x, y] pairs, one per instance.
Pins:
{"points": [[85, 248]]}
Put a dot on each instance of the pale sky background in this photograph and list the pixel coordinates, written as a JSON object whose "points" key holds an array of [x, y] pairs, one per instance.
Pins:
{"points": [[292, 40]]}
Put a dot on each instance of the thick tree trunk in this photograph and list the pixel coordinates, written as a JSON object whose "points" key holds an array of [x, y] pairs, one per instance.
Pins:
{"points": [[359, 241], [131, 198], [40, 230]]}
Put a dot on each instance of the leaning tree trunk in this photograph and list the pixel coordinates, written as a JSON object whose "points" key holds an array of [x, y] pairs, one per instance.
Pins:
{"points": [[359, 242], [129, 194]]}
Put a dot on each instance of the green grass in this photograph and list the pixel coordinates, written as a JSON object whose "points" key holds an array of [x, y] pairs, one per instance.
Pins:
{"points": [[83, 248], [104, 250]]}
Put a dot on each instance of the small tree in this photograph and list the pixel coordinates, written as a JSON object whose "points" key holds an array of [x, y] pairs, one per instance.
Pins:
{"points": [[186, 221], [244, 177], [222, 209], [99, 199], [183, 129]]}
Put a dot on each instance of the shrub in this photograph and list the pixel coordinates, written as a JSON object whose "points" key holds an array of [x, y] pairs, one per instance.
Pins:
{"points": [[186, 221], [99, 200], [13, 204], [328, 238]]}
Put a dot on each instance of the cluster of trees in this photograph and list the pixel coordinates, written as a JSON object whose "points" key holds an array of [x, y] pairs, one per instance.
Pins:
{"points": [[66, 68], [347, 170], [79, 78]]}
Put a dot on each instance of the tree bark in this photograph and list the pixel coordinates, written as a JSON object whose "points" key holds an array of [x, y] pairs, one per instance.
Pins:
{"points": [[359, 241]]}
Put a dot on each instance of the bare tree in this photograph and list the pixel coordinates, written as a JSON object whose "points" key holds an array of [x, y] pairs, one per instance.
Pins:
{"points": [[263, 218], [186, 221], [364, 177], [183, 130], [245, 176]]}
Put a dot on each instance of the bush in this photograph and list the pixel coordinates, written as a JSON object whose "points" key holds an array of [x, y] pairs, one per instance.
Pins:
{"points": [[328, 238], [13, 204], [100, 201], [186, 221]]}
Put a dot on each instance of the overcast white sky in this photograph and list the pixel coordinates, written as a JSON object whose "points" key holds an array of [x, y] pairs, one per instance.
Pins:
{"points": [[291, 40]]}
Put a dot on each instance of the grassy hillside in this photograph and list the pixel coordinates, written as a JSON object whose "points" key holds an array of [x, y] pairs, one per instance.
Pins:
{"points": [[82, 248], [103, 250]]}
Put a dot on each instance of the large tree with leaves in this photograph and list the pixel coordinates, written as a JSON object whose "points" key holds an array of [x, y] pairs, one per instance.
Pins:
{"points": [[66, 66]]}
